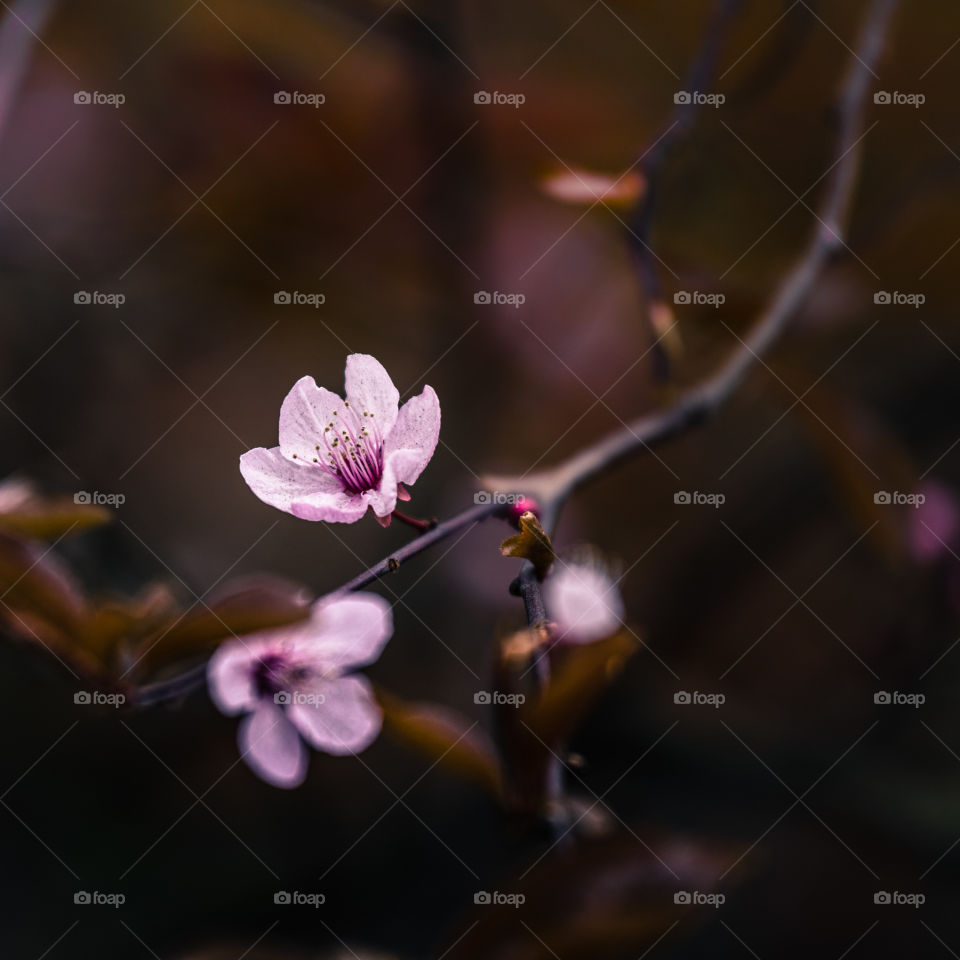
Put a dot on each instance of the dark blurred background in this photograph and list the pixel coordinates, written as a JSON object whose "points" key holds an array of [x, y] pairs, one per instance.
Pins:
{"points": [[398, 199]]}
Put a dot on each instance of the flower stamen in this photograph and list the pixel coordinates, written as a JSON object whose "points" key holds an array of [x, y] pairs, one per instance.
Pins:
{"points": [[355, 452]]}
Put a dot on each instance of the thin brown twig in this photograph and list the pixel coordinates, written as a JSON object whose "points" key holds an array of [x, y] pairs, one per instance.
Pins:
{"points": [[682, 117]]}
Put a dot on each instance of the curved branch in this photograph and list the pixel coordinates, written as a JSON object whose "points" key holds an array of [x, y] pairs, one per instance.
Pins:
{"points": [[553, 486]]}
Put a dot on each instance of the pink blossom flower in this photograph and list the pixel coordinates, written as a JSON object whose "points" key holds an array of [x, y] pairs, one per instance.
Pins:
{"points": [[583, 600], [338, 457], [294, 682]]}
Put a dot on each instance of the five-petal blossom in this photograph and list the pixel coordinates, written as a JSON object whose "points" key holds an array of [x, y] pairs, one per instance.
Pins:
{"points": [[338, 457], [294, 682]]}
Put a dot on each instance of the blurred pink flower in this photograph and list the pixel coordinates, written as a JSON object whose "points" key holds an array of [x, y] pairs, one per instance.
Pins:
{"points": [[583, 600], [293, 682], [933, 525], [337, 457]]}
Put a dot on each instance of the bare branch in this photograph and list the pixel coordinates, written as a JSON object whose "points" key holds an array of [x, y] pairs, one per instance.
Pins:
{"points": [[552, 487], [699, 77]]}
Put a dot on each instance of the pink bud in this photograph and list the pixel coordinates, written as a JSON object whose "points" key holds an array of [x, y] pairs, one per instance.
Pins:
{"points": [[521, 506]]}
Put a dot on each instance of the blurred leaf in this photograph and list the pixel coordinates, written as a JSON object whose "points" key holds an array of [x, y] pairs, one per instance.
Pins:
{"points": [[42, 602], [531, 543], [35, 583], [114, 624], [242, 606], [579, 674], [25, 513], [446, 737]]}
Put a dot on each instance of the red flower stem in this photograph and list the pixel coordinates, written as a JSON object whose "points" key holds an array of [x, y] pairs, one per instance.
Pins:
{"points": [[422, 525]]}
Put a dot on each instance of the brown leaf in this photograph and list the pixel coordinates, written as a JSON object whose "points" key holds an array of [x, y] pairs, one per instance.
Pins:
{"points": [[26, 513], [531, 543], [242, 606], [34, 581], [445, 736], [579, 675], [552, 703]]}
